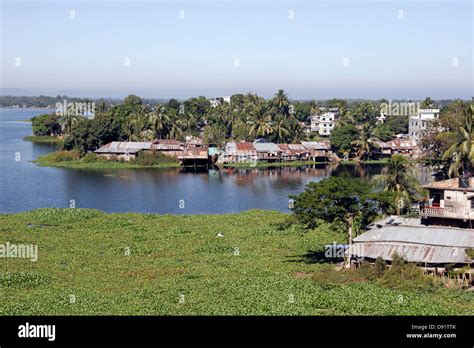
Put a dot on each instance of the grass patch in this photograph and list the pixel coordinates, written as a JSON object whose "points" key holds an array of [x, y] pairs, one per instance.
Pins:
{"points": [[140, 264], [72, 159], [43, 139]]}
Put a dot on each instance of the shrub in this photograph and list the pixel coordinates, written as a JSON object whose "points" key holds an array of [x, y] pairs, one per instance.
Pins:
{"points": [[62, 156], [380, 267], [406, 276], [149, 158], [92, 157]]}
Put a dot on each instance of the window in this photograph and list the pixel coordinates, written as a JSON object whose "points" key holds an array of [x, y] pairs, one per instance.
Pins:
{"points": [[472, 203]]}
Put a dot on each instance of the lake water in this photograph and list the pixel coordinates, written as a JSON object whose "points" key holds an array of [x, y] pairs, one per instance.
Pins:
{"points": [[26, 186]]}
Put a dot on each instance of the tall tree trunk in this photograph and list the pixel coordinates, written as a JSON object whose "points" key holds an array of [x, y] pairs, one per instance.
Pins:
{"points": [[350, 221]]}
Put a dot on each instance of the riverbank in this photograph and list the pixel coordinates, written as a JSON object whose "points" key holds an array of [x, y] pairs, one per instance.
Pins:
{"points": [[46, 139], [146, 264], [71, 159]]}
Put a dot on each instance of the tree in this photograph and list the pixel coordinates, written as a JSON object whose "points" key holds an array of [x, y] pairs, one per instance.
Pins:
{"points": [[342, 137], [281, 102], [461, 153], [346, 203], [214, 134], [46, 124], [159, 120], [281, 130], [427, 103], [400, 180], [364, 144]]}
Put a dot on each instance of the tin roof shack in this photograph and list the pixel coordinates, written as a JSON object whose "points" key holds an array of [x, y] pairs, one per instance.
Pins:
{"points": [[294, 152], [239, 152], [397, 146], [168, 147], [269, 152], [125, 150], [430, 246], [451, 202], [195, 156], [415, 242], [319, 150]]}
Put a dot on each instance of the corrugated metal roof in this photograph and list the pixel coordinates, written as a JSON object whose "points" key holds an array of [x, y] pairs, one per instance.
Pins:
{"points": [[124, 147], [410, 252], [266, 147], [167, 144], [450, 184], [316, 145], [429, 235], [244, 146], [413, 241]]}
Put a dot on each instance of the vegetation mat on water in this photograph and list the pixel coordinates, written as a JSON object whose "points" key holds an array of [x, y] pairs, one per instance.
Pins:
{"points": [[144, 264]]}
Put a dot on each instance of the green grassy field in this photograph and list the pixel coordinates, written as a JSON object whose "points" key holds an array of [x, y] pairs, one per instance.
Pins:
{"points": [[254, 269]]}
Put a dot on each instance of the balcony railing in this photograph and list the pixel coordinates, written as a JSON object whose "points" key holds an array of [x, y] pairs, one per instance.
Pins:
{"points": [[432, 211]]}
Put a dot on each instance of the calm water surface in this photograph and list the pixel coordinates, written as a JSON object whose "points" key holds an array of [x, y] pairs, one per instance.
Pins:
{"points": [[26, 186]]}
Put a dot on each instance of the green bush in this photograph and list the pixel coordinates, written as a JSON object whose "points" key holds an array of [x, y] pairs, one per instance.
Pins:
{"points": [[149, 158], [91, 158], [62, 156]]}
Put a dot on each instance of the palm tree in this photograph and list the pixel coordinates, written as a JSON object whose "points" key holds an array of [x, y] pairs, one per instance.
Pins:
{"points": [[400, 180], [140, 120], [128, 126], [158, 121], [68, 121], [261, 126], [175, 128], [364, 144], [281, 130], [281, 102], [461, 153]]}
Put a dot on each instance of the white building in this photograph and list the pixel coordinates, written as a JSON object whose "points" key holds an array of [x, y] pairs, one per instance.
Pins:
{"points": [[324, 123], [419, 123], [219, 100]]}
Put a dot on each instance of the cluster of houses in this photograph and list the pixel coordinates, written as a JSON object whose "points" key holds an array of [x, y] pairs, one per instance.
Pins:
{"points": [[194, 153], [441, 240], [243, 151]]}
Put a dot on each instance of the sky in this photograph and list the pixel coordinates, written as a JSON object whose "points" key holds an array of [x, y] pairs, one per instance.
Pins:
{"points": [[311, 49]]}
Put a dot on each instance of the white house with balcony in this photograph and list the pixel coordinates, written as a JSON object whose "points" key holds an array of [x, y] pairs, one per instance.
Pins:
{"points": [[324, 123], [419, 123], [451, 202]]}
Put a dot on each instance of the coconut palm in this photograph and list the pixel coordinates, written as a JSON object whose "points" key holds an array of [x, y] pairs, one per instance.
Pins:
{"points": [[158, 120], [461, 153], [261, 126], [401, 180], [365, 144], [281, 102], [281, 130]]}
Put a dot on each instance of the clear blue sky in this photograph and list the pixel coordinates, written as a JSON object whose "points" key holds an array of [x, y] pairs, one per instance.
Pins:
{"points": [[173, 57]]}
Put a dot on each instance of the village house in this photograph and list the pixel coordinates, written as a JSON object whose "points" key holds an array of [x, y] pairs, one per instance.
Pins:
{"points": [[434, 248], [319, 150], [324, 123], [236, 152], [419, 123], [125, 150], [168, 147], [451, 202], [399, 146], [269, 152], [294, 152]]}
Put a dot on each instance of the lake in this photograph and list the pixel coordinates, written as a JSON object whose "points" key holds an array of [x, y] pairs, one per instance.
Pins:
{"points": [[26, 186]]}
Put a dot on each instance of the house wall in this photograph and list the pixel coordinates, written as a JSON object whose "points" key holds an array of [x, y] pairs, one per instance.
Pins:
{"points": [[456, 205]]}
